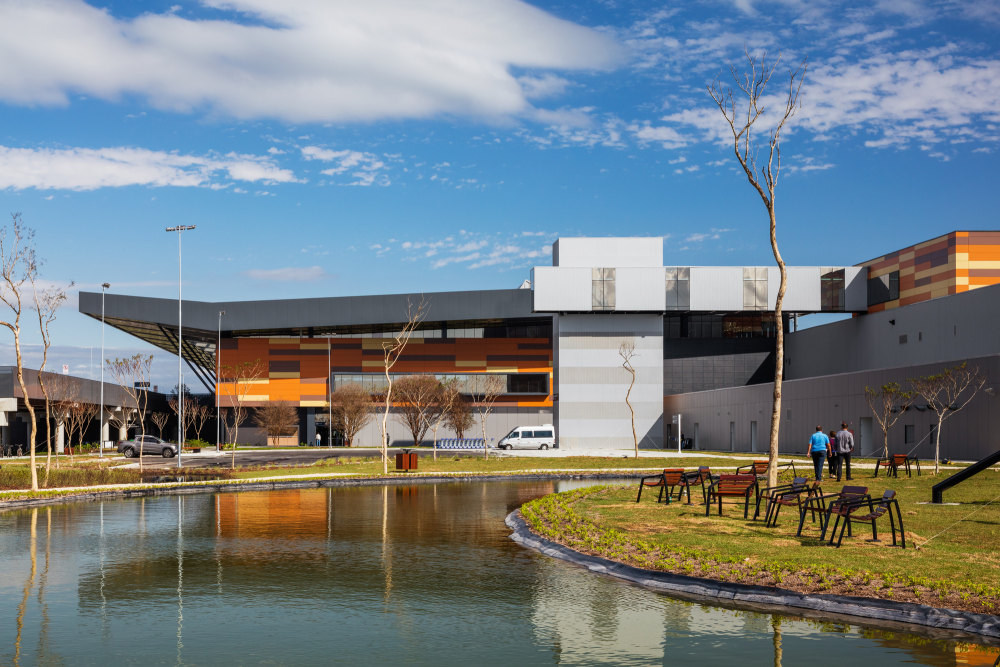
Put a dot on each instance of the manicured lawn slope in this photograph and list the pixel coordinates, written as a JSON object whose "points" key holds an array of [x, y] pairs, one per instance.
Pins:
{"points": [[957, 563]]}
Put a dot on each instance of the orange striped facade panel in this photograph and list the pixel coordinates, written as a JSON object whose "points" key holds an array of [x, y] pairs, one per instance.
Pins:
{"points": [[298, 370], [949, 264]]}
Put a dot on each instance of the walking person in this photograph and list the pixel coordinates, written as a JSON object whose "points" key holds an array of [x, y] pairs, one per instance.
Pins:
{"points": [[833, 454], [819, 447], [844, 445]]}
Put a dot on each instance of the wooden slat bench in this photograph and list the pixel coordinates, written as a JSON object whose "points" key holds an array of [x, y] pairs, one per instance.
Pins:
{"points": [[731, 486], [668, 479]]}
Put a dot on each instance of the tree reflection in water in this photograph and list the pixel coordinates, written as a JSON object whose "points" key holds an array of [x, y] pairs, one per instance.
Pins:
{"points": [[417, 573]]}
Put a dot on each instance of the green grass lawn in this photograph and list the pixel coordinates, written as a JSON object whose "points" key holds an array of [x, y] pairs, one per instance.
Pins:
{"points": [[957, 562]]}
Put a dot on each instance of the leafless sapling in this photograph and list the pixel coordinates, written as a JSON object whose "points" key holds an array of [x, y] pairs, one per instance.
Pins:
{"points": [[627, 352], [742, 111], [392, 350], [946, 393]]}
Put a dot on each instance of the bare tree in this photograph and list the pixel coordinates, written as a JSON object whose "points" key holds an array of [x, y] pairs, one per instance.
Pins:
{"points": [[278, 419], [441, 408], [199, 416], [459, 418], [80, 416], [418, 397], [47, 302], [392, 350], [946, 393], [488, 388], [190, 406], [159, 420], [132, 375], [742, 116], [352, 409], [18, 265], [123, 419], [888, 403], [239, 379], [61, 392], [627, 351]]}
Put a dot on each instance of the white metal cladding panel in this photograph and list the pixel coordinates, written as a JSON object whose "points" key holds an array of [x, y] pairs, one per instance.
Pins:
{"points": [[627, 325], [610, 251], [802, 292], [717, 288], [640, 289], [856, 287], [561, 289]]}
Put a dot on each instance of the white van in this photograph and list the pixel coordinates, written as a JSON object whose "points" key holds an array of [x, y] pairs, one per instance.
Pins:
{"points": [[529, 437]]}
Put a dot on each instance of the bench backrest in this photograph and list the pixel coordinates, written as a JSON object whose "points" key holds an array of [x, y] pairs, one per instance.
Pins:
{"points": [[673, 475], [760, 467], [735, 484], [899, 459]]}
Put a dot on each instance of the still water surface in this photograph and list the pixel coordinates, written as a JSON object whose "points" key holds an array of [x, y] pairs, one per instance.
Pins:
{"points": [[421, 574]]}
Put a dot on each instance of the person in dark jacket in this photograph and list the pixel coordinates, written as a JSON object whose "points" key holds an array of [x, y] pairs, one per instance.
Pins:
{"points": [[833, 454], [843, 445]]}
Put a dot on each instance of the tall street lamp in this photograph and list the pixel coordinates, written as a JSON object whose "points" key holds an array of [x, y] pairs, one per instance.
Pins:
{"points": [[218, 373], [100, 436], [180, 229]]}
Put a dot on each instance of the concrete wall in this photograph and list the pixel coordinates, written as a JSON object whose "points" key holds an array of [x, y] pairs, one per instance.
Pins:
{"points": [[940, 330], [590, 411], [827, 401]]}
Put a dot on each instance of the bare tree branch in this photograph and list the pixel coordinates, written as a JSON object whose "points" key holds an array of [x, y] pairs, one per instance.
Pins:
{"points": [[752, 85]]}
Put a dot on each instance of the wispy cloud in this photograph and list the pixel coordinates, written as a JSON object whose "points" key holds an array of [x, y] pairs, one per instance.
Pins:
{"points": [[473, 250], [358, 167], [289, 274], [713, 234], [93, 168]]}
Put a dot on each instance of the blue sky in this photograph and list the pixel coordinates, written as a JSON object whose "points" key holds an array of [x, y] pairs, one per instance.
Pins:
{"points": [[332, 148]]}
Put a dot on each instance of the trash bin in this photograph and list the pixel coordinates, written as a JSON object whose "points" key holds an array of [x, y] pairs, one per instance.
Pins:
{"points": [[406, 461]]}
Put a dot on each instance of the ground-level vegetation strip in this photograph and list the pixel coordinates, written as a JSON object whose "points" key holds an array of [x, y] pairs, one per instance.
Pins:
{"points": [[959, 569]]}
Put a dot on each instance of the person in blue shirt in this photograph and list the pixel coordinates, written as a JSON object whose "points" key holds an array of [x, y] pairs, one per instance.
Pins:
{"points": [[819, 447]]}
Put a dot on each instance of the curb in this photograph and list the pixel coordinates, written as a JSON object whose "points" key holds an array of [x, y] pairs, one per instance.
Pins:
{"points": [[189, 488], [908, 616]]}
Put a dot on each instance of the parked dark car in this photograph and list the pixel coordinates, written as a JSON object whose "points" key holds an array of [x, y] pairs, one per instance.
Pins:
{"points": [[150, 445]]}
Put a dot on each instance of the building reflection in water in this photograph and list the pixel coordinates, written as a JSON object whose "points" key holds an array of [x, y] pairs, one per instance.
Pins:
{"points": [[383, 572]]}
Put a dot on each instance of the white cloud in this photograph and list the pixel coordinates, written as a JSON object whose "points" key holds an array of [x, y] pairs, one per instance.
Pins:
{"points": [[361, 168], [296, 60], [288, 274], [93, 168], [507, 250], [899, 99]]}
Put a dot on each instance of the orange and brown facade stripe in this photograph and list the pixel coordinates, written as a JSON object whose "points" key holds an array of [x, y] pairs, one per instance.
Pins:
{"points": [[298, 368], [956, 262]]}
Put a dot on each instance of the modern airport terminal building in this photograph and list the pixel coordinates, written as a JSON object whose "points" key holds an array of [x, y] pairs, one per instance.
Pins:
{"points": [[704, 340]]}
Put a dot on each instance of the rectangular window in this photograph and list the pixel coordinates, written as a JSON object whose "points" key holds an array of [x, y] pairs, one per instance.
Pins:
{"points": [[909, 434], [832, 294], [883, 288], [528, 383], [678, 287], [602, 289], [755, 288], [543, 434]]}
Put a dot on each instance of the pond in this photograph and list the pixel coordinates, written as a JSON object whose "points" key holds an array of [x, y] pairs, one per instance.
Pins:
{"points": [[420, 574]]}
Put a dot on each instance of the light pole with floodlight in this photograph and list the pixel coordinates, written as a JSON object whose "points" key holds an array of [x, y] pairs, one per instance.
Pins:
{"points": [[218, 372], [100, 436], [180, 229]]}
